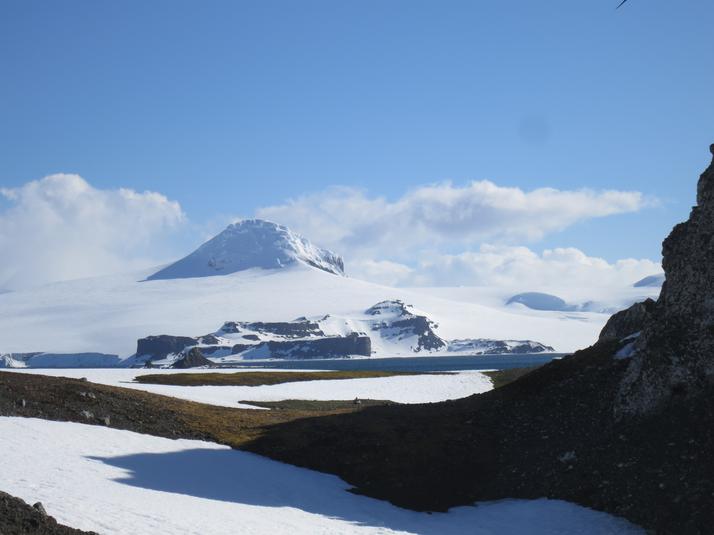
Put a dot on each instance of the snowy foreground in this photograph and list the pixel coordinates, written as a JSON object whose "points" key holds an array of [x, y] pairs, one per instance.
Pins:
{"points": [[402, 389], [113, 481]]}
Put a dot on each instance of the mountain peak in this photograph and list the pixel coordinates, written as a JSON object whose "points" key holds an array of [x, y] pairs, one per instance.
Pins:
{"points": [[251, 243]]}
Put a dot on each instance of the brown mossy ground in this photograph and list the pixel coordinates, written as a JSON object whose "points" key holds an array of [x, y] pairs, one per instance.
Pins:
{"points": [[258, 378], [319, 406], [501, 378], [64, 399]]}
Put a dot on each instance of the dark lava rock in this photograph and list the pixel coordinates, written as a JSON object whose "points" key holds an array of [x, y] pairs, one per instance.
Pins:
{"points": [[192, 359], [675, 353], [627, 322], [333, 347], [288, 329], [19, 518], [209, 339], [300, 328], [239, 348], [158, 347]]}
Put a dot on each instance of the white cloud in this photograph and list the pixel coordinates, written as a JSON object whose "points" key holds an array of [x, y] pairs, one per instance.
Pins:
{"points": [[520, 267], [60, 227], [380, 271], [350, 222]]}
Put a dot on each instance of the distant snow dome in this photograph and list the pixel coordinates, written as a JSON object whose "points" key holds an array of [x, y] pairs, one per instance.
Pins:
{"points": [[540, 301], [251, 243], [651, 281]]}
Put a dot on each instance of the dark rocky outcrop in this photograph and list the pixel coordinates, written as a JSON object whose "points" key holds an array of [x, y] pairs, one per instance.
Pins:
{"points": [[403, 323], [193, 358], [627, 322], [301, 328], [158, 347], [209, 339], [239, 348], [675, 352], [20, 518], [487, 346], [332, 347]]}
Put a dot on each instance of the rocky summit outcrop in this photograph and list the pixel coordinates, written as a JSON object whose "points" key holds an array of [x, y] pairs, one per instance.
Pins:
{"points": [[402, 322], [674, 355], [158, 347], [193, 358]]}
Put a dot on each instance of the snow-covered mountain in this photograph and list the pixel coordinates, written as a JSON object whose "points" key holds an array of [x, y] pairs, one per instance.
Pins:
{"points": [[249, 244], [234, 276]]}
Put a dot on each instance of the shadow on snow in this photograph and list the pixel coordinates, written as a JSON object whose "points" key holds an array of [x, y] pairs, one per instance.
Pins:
{"points": [[246, 478]]}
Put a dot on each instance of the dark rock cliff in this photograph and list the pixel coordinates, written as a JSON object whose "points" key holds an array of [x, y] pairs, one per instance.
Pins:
{"points": [[675, 352], [158, 347]]}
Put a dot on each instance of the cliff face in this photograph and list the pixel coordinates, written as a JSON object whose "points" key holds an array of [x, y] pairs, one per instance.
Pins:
{"points": [[675, 353]]}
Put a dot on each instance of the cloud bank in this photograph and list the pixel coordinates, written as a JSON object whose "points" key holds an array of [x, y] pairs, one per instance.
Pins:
{"points": [[411, 241], [348, 220], [60, 227], [521, 267]]}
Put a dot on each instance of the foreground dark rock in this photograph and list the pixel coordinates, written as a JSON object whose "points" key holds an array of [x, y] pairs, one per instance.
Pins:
{"points": [[675, 351], [19, 518]]}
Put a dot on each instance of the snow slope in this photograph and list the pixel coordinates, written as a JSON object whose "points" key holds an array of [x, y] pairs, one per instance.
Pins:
{"points": [[109, 314], [251, 243], [119, 482], [402, 389]]}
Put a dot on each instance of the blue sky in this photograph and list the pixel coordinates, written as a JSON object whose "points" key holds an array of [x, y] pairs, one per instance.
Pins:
{"points": [[228, 107]]}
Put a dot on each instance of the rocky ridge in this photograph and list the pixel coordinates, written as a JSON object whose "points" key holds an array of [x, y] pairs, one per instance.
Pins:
{"points": [[389, 328]]}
